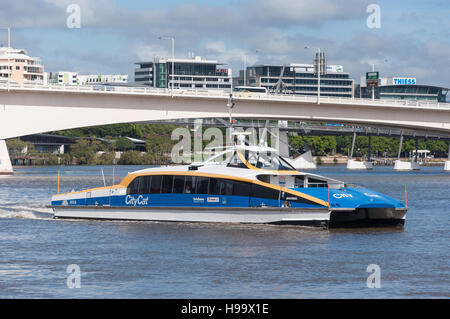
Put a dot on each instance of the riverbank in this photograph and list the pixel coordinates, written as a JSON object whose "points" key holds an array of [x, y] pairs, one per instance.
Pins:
{"points": [[319, 160], [389, 161]]}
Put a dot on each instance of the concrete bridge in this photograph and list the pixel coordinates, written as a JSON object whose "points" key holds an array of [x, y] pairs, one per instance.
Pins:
{"points": [[30, 109]]}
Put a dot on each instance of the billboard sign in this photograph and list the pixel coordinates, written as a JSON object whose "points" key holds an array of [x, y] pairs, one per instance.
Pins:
{"points": [[404, 81], [335, 68]]}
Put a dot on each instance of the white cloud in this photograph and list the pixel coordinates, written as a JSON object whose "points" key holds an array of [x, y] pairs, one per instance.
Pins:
{"points": [[306, 12], [278, 30], [145, 52]]}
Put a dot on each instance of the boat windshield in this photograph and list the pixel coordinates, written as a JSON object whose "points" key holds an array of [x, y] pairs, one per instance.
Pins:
{"points": [[262, 160]]}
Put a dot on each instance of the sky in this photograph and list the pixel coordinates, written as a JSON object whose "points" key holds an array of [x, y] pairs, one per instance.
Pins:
{"points": [[410, 38]]}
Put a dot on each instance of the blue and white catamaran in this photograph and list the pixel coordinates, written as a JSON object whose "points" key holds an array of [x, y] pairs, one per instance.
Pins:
{"points": [[252, 185]]}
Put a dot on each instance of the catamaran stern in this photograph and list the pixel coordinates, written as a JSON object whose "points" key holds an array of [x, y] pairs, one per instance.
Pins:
{"points": [[368, 217]]}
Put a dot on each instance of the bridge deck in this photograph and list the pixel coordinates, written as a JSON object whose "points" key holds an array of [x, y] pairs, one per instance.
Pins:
{"points": [[221, 94]]}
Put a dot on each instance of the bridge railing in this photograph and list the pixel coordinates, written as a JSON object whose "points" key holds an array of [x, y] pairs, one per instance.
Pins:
{"points": [[222, 94]]}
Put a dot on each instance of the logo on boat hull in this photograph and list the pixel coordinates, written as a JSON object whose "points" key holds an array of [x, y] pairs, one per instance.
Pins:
{"points": [[338, 196], [139, 201]]}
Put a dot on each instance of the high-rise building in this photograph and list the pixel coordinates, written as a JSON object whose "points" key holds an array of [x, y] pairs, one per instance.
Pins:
{"points": [[297, 79], [195, 73], [17, 67]]}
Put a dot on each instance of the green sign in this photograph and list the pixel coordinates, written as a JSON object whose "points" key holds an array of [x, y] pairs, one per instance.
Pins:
{"points": [[372, 75]]}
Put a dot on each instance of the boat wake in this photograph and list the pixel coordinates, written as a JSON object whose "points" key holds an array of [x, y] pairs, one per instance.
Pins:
{"points": [[27, 211]]}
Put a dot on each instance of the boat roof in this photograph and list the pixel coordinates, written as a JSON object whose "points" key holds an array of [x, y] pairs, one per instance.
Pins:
{"points": [[219, 169], [244, 170]]}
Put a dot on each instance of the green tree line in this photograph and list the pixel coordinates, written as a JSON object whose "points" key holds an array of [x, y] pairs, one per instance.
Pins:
{"points": [[326, 145], [91, 151]]}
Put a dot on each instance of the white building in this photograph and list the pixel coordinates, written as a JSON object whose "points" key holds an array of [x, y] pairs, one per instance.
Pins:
{"points": [[102, 78], [74, 78], [63, 77]]}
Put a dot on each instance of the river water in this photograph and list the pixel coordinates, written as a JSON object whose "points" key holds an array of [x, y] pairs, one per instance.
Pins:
{"points": [[189, 260]]}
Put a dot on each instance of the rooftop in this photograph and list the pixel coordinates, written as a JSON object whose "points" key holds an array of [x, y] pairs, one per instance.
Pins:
{"points": [[197, 59], [331, 68], [10, 53]]}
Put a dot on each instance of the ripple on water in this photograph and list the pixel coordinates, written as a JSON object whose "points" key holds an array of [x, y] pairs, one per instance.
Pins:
{"points": [[179, 260]]}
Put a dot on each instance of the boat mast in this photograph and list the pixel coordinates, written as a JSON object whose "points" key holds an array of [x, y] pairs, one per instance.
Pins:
{"points": [[230, 106]]}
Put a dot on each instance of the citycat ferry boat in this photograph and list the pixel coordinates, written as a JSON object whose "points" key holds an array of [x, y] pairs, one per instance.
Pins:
{"points": [[241, 184]]}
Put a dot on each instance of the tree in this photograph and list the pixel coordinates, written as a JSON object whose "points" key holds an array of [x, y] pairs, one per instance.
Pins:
{"points": [[106, 158], [83, 151], [131, 158], [123, 144], [159, 145], [320, 145], [16, 146], [297, 142]]}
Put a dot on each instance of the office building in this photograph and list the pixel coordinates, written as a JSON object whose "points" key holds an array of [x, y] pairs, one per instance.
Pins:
{"points": [[297, 79], [195, 73]]}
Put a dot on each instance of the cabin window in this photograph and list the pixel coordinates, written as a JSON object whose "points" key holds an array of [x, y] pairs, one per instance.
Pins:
{"points": [[229, 187], [265, 192], [144, 185], [133, 186], [178, 184], [155, 185], [202, 185], [140, 185], [264, 178], [188, 189], [312, 182], [226, 188], [241, 188], [166, 184], [299, 182], [214, 186]]}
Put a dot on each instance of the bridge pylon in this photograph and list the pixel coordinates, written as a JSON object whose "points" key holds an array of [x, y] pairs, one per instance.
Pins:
{"points": [[356, 165], [5, 161], [405, 165], [447, 162]]}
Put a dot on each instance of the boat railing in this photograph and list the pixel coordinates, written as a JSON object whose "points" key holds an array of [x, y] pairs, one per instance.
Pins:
{"points": [[332, 185], [352, 185], [317, 185]]}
